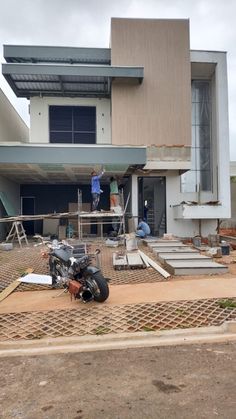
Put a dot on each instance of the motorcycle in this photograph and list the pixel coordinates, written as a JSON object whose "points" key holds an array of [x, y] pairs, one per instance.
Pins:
{"points": [[76, 273]]}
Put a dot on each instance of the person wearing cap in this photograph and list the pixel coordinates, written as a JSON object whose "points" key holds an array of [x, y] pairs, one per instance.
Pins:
{"points": [[95, 188]]}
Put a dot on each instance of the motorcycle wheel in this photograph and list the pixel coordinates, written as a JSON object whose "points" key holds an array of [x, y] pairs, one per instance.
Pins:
{"points": [[98, 286]]}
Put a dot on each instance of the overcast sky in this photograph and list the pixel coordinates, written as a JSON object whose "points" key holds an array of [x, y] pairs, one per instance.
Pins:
{"points": [[86, 23]]}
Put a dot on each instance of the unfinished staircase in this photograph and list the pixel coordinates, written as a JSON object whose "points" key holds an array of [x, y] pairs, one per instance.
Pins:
{"points": [[181, 259]]}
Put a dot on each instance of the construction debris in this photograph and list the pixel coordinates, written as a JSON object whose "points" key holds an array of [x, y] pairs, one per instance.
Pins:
{"points": [[119, 261], [31, 278], [154, 265], [7, 291], [135, 261]]}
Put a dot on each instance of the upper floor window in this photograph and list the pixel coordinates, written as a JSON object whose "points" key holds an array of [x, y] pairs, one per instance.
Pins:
{"points": [[199, 178], [72, 124]]}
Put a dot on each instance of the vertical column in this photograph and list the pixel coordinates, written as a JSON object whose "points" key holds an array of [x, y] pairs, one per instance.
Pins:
{"points": [[134, 198]]}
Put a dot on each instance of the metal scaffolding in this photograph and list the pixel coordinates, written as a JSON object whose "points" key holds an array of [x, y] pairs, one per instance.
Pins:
{"points": [[101, 218]]}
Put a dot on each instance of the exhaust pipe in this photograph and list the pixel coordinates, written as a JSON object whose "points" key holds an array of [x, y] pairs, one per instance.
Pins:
{"points": [[86, 295]]}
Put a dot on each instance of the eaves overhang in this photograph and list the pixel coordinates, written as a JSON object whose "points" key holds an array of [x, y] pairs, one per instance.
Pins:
{"points": [[56, 54], [47, 79], [58, 154]]}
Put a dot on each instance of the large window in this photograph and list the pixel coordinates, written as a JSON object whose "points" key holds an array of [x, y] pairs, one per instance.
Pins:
{"points": [[199, 178], [72, 124]]}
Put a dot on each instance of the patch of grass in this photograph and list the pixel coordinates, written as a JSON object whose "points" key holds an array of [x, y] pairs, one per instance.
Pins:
{"points": [[180, 311], [101, 330], [148, 329], [227, 304]]}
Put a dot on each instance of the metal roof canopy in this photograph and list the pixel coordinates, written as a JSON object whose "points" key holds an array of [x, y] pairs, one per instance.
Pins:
{"points": [[70, 164], [61, 71], [70, 55], [72, 154]]}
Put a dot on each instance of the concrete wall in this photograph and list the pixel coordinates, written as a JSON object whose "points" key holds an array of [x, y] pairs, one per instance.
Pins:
{"points": [[158, 110], [12, 127], [12, 191], [181, 227], [39, 116]]}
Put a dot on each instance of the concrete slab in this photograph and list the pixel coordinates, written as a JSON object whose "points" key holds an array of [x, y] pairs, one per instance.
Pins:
{"points": [[196, 267], [166, 244], [178, 249], [163, 257], [155, 240]]}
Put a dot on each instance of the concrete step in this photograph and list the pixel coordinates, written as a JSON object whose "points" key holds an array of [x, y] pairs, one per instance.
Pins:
{"points": [[196, 267], [163, 257], [166, 244], [155, 240], [178, 249]]}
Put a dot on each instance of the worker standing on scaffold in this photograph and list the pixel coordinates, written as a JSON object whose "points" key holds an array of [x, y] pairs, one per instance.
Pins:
{"points": [[96, 189]]}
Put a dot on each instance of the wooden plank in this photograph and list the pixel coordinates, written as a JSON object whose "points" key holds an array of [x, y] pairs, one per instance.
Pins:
{"points": [[135, 260], [154, 265], [144, 260], [7, 291]]}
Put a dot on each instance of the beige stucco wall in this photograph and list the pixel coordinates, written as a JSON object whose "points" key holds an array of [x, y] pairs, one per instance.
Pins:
{"points": [[12, 127], [39, 116], [158, 110]]}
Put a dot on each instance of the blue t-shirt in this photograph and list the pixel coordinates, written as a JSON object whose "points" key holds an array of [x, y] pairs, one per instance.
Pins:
{"points": [[145, 227], [95, 183]]}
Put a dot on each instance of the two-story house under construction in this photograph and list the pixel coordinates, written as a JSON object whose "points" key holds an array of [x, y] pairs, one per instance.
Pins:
{"points": [[148, 109]]}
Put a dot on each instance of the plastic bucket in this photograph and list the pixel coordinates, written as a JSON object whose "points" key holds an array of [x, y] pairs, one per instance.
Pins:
{"points": [[225, 249]]}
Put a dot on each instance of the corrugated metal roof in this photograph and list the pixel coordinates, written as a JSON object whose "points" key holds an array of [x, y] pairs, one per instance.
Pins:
{"points": [[61, 71]]}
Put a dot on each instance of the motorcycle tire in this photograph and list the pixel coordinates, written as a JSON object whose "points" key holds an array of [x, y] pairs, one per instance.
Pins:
{"points": [[103, 291]]}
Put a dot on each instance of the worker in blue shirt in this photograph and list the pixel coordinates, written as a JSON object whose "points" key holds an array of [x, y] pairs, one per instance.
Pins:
{"points": [[143, 229], [95, 188]]}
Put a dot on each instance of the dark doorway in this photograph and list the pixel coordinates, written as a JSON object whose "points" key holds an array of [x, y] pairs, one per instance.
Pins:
{"points": [[28, 208], [152, 203]]}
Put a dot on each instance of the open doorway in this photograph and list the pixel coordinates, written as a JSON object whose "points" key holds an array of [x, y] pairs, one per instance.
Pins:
{"points": [[152, 203], [28, 208]]}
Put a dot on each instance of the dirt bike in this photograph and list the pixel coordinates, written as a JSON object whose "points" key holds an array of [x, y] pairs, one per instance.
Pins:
{"points": [[73, 270]]}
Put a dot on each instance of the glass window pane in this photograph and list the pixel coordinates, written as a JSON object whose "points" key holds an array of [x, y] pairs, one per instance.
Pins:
{"points": [[60, 118], [203, 139], [206, 180], [193, 136], [85, 118], [60, 137], [84, 137], [202, 91], [193, 113]]}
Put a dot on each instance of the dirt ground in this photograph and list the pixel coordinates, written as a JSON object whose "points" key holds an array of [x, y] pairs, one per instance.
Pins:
{"points": [[182, 382], [126, 287]]}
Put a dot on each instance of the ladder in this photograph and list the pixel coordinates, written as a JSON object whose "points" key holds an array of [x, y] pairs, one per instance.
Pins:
{"points": [[17, 231]]}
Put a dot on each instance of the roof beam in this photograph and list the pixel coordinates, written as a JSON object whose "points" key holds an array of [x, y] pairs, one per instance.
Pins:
{"points": [[73, 70]]}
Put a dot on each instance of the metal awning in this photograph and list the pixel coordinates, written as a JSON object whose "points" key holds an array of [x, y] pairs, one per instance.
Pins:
{"points": [[55, 71], [69, 55], [57, 164]]}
